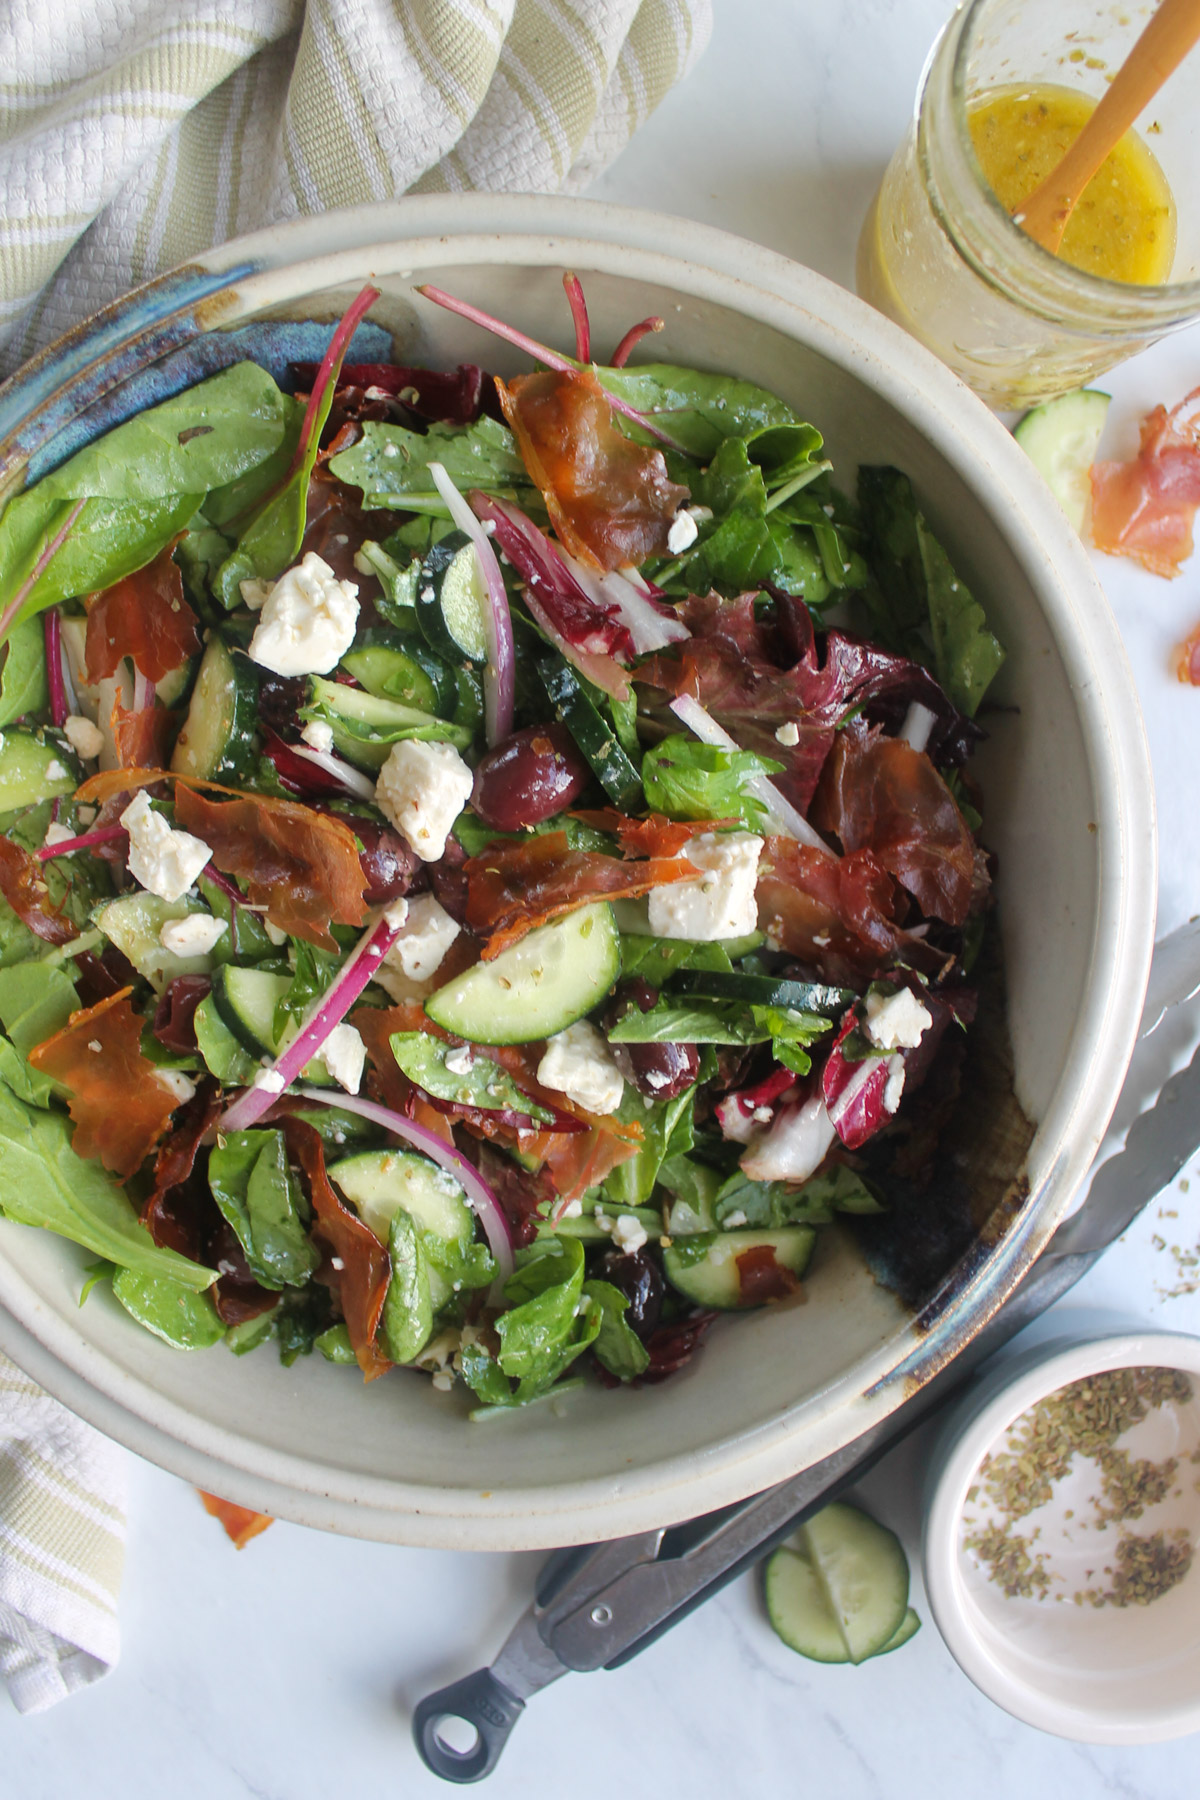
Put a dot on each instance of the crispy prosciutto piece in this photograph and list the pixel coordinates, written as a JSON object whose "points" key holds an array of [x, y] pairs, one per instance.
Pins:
{"points": [[241, 1524], [1187, 659], [756, 668], [879, 794], [523, 1197], [655, 835], [837, 915], [144, 617], [143, 736], [119, 1106], [513, 887], [303, 866], [762, 1278], [1145, 508], [581, 1160], [362, 1281], [24, 887], [611, 500]]}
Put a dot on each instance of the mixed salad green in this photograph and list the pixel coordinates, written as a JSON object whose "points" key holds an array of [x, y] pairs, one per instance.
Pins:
{"points": [[469, 895]]}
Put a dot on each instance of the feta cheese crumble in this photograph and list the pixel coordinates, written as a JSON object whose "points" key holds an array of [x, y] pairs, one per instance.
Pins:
{"points": [[177, 1084], [720, 901], [628, 1233], [579, 1064], [344, 1055], [85, 739], [307, 622], [788, 734], [56, 834], [683, 533], [421, 790], [897, 1021], [164, 861], [318, 735], [270, 1081], [196, 935], [427, 932]]}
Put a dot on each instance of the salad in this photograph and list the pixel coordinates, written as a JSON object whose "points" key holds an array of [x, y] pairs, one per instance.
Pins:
{"points": [[485, 864]]}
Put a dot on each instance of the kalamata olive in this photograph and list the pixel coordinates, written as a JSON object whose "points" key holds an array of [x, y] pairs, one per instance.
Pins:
{"points": [[658, 1071], [280, 698], [640, 1279], [529, 777], [388, 864]]}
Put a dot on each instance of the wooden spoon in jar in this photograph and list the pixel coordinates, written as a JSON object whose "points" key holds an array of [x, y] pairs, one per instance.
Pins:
{"points": [[1163, 45]]}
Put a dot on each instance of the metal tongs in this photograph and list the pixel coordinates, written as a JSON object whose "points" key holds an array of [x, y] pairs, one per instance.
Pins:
{"points": [[598, 1605]]}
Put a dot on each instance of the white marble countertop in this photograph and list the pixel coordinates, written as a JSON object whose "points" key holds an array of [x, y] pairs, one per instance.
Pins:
{"points": [[287, 1672]]}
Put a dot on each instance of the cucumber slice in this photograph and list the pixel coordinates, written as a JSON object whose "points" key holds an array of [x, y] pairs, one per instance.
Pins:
{"points": [[134, 924], [381, 1181], [390, 673], [31, 770], [588, 1231], [595, 737], [764, 990], [842, 1579], [245, 1000], [217, 740], [365, 726], [705, 1269], [1060, 439], [908, 1627], [452, 600], [539, 986]]}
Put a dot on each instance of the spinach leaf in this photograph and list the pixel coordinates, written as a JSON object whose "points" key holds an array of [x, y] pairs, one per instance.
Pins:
{"points": [[407, 1318], [768, 1205], [223, 1055], [304, 1313], [391, 464], [36, 1000], [666, 1131], [43, 1182], [250, 1333], [335, 1345], [919, 607], [434, 1066], [689, 780], [199, 439], [699, 409], [460, 1265], [107, 541], [261, 1200], [550, 1324], [175, 1313], [695, 1187], [23, 679], [617, 1345], [690, 1022], [314, 973]]}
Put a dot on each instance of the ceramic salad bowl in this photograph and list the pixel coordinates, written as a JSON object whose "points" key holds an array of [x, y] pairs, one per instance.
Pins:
{"points": [[1069, 804]]}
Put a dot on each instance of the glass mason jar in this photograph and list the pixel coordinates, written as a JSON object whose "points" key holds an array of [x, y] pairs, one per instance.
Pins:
{"points": [[941, 256]]}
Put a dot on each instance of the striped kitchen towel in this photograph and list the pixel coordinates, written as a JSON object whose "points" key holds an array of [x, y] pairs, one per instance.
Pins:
{"points": [[135, 133], [62, 1545]]}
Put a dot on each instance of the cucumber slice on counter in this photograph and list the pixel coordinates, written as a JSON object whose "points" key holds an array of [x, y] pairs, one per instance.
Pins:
{"points": [[535, 988], [217, 740], [594, 735], [764, 990], [452, 601], [704, 1269], [1061, 439], [31, 770], [245, 1000], [838, 1590]]}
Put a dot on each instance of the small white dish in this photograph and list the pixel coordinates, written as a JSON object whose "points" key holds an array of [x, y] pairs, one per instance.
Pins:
{"points": [[1099, 1675]]}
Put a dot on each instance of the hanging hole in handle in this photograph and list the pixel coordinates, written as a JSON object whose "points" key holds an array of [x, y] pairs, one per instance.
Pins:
{"points": [[461, 1730], [457, 1736]]}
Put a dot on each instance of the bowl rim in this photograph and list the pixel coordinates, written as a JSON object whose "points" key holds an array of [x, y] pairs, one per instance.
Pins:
{"points": [[308, 255], [1017, 1383]]}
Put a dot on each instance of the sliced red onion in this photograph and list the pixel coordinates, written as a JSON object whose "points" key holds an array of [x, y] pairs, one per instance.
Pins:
{"points": [[780, 812], [551, 358], [46, 555], [54, 666], [107, 834], [352, 779], [143, 691], [918, 725], [632, 339], [326, 1016], [500, 676], [573, 288], [317, 409], [487, 1208], [650, 626]]}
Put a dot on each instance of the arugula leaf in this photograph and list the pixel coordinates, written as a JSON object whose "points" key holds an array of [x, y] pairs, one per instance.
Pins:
{"points": [[617, 1345], [303, 1315], [551, 1323], [261, 1200], [23, 679], [690, 1022], [44, 1183], [391, 464], [335, 1345], [460, 1265], [175, 1313], [919, 607], [689, 780], [398, 579], [695, 1187], [475, 836], [483, 1083], [768, 1205], [250, 1333], [313, 976], [666, 1131], [407, 1319]]}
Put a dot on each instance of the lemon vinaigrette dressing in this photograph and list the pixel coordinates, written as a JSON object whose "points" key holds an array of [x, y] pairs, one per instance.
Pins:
{"points": [[1123, 227]]}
